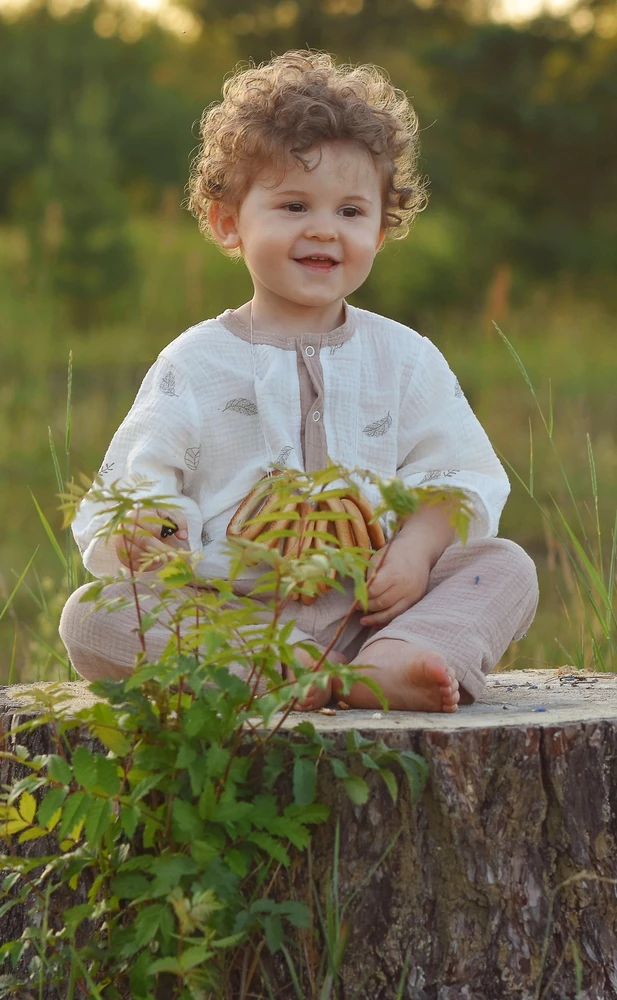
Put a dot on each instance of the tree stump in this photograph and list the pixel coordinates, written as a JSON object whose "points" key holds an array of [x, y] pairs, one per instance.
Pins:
{"points": [[501, 882]]}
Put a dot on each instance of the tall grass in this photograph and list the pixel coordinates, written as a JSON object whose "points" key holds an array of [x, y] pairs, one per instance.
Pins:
{"points": [[587, 558]]}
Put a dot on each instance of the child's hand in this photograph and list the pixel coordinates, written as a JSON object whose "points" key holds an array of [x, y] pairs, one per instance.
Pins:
{"points": [[142, 536], [398, 585], [402, 581]]}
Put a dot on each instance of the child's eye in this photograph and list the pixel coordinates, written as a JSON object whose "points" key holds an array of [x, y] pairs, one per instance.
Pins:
{"points": [[294, 206], [349, 211]]}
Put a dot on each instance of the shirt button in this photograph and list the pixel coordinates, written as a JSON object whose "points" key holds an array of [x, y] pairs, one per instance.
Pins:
{"points": [[316, 415], [309, 351]]}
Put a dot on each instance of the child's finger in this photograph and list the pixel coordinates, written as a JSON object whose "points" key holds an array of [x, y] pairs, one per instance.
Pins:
{"points": [[379, 584], [382, 601], [386, 616], [146, 537], [177, 518]]}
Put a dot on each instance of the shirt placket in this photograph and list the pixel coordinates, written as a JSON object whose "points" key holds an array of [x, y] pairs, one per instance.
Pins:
{"points": [[311, 383]]}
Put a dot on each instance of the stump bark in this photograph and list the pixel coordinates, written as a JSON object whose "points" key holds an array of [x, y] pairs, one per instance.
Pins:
{"points": [[501, 882]]}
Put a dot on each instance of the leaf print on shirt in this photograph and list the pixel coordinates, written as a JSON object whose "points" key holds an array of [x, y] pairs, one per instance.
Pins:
{"points": [[438, 474], [107, 467], [168, 383], [283, 455], [245, 406], [191, 458], [380, 427], [335, 347], [205, 537]]}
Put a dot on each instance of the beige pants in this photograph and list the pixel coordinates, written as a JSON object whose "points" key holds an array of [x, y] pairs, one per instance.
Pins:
{"points": [[480, 597]]}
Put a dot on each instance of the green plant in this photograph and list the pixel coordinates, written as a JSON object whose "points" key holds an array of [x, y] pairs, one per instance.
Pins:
{"points": [[170, 806]]}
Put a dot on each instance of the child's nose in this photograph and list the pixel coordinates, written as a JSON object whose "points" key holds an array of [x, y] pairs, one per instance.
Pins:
{"points": [[321, 228]]}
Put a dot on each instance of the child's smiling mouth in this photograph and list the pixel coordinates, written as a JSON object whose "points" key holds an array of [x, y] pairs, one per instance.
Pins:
{"points": [[318, 262]]}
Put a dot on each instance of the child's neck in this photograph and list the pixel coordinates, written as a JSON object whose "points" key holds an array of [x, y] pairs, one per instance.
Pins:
{"points": [[291, 322]]}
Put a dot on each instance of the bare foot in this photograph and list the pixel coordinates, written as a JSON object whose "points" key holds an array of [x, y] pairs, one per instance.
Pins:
{"points": [[317, 697], [413, 678]]}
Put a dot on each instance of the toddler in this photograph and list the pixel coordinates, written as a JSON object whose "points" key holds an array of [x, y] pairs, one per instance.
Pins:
{"points": [[305, 168]]}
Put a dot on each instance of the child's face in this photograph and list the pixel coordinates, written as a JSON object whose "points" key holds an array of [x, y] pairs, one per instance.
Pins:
{"points": [[310, 238]]}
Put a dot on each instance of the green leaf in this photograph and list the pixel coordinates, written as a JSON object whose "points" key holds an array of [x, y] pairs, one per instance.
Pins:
{"points": [[368, 762], [357, 789], [339, 768], [129, 818], [390, 782], [147, 924], [171, 965], [84, 768], [275, 934], [130, 885], [98, 819], [186, 755], [304, 781], [75, 914], [274, 766], [204, 852], [107, 776], [105, 727], [138, 976], [239, 862], [34, 833], [416, 769], [169, 869], [145, 785], [231, 813], [50, 805], [186, 821], [96, 773], [58, 769], [177, 573], [27, 807], [317, 812], [229, 942], [75, 808], [305, 728], [193, 957], [355, 740], [297, 913], [217, 759], [272, 846]]}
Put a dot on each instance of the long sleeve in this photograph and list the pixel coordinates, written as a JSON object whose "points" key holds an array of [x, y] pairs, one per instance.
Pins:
{"points": [[154, 446], [441, 442]]}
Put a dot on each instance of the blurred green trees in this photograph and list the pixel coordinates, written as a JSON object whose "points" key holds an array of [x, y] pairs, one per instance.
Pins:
{"points": [[87, 131], [519, 132]]}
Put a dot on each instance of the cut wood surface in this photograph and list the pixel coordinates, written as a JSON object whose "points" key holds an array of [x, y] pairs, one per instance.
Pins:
{"points": [[513, 845]]}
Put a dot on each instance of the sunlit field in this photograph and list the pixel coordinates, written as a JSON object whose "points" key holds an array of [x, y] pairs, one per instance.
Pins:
{"points": [[565, 342]]}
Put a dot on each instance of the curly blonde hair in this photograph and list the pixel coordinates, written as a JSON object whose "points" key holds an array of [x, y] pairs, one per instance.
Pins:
{"points": [[288, 106]]}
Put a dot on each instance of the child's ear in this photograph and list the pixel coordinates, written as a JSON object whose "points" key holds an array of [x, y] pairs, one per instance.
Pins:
{"points": [[380, 239], [223, 222]]}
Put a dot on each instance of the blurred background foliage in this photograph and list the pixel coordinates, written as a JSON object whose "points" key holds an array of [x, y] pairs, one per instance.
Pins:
{"points": [[519, 139]]}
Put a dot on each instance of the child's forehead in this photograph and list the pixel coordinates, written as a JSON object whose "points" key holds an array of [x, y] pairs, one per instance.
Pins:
{"points": [[339, 162]]}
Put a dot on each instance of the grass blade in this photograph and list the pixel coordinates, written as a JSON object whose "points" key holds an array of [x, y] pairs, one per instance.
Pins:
{"points": [[17, 585], [52, 652], [55, 462], [49, 532], [530, 459], [69, 411], [13, 654]]}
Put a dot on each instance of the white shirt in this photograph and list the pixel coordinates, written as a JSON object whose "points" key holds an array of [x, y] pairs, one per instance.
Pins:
{"points": [[214, 411]]}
